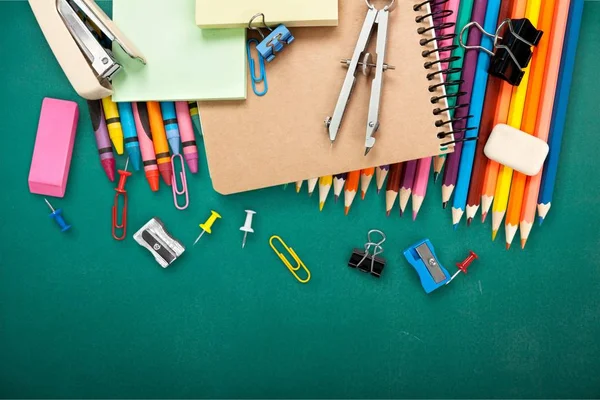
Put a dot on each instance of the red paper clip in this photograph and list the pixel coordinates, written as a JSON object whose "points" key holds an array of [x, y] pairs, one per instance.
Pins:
{"points": [[175, 186], [121, 192]]}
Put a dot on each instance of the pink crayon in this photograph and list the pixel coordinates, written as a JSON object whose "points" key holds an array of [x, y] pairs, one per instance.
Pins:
{"points": [[188, 140], [105, 150], [142, 125]]}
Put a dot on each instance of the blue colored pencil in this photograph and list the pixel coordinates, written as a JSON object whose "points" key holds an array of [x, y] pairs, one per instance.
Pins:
{"points": [[476, 110], [130, 138], [171, 125], [560, 108]]}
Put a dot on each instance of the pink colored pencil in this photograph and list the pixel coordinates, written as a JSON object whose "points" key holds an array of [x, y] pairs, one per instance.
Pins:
{"points": [[420, 185], [188, 140], [451, 5]]}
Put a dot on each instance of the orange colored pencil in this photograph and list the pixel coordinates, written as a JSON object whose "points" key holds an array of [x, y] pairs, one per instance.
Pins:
{"points": [[366, 176], [544, 117], [532, 103], [351, 189], [501, 116]]}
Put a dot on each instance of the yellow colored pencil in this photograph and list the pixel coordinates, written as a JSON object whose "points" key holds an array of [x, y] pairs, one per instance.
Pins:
{"points": [[325, 183], [515, 117], [530, 112]]}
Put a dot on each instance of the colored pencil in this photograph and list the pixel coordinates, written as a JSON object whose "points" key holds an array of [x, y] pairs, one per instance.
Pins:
{"points": [[537, 76], [366, 176], [458, 16], [515, 118], [339, 181], [406, 184], [380, 174], [489, 20], [500, 117], [312, 184], [325, 183], [544, 118], [560, 109], [420, 187], [393, 187], [466, 88], [485, 128], [299, 186], [351, 189]]}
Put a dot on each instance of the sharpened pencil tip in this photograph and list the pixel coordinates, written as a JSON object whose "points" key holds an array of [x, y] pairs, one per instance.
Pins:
{"points": [[414, 215], [346, 210], [401, 213], [378, 190], [455, 227], [444, 205], [321, 205], [469, 220], [435, 176], [362, 195], [540, 221], [335, 198], [507, 246], [523, 243], [310, 194], [494, 233], [483, 216], [388, 213]]}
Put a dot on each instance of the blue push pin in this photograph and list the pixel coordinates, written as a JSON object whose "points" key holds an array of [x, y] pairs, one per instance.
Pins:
{"points": [[57, 217]]}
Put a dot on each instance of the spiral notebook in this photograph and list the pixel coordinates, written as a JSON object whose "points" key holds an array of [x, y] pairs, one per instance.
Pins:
{"points": [[281, 137]]}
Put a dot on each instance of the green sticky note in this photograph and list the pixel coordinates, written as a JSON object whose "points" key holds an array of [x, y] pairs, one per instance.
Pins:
{"points": [[184, 62]]}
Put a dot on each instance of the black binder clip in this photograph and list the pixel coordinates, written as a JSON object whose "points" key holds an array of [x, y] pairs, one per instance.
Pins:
{"points": [[513, 51], [366, 262]]}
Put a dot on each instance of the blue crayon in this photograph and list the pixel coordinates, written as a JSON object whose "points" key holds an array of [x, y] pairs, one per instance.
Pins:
{"points": [[170, 119], [130, 138]]}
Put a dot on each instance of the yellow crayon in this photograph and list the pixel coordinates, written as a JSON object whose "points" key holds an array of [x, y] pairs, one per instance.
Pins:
{"points": [[113, 123]]}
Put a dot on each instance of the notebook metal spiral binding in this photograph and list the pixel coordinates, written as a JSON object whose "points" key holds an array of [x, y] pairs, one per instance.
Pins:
{"points": [[438, 15]]}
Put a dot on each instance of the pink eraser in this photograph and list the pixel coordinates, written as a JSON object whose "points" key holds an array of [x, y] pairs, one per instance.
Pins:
{"points": [[54, 141]]}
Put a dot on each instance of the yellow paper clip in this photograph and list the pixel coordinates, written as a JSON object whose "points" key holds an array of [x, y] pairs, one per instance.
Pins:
{"points": [[285, 261]]}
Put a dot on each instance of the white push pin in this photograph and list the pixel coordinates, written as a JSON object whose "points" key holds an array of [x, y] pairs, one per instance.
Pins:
{"points": [[247, 225]]}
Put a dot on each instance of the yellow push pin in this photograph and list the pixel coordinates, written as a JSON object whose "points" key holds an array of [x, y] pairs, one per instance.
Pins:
{"points": [[206, 227]]}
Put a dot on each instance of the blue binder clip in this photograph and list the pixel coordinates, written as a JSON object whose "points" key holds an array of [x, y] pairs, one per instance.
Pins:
{"points": [[423, 259], [274, 42]]}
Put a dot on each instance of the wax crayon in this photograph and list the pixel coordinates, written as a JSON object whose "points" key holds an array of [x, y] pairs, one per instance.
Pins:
{"points": [[171, 126], [113, 123], [159, 139], [132, 144], [142, 124], [193, 107], [188, 140], [107, 158]]}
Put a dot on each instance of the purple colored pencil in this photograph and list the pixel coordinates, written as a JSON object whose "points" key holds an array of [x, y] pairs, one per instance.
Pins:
{"points": [[407, 183], [461, 114], [105, 150]]}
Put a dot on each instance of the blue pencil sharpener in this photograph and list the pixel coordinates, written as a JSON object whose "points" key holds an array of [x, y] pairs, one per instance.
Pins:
{"points": [[423, 259]]}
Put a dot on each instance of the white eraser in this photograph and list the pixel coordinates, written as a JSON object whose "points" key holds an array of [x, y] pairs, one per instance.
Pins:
{"points": [[516, 149]]}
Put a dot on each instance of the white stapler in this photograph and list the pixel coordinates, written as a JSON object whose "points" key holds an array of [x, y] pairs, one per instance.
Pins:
{"points": [[80, 35]]}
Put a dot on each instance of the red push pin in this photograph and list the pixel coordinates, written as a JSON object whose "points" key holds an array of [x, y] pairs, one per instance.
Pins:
{"points": [[120, 189], [464, 265]]}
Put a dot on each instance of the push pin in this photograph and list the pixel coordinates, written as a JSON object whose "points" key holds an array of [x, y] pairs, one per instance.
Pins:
{"points": [[247, 226], [56, 215], [513, 51], [206, 227], [121, 192], [367, 262], [274, 42], [462, 266]]}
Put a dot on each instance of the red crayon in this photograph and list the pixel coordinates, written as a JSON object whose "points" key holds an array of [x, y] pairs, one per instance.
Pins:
{"points": [[142, 125]]}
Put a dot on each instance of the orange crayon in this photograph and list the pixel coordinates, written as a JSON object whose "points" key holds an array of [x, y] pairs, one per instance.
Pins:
{"points": [[161, 145]]}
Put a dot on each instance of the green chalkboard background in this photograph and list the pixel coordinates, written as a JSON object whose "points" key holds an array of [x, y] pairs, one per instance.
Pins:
{"points": [[82, 315]]}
